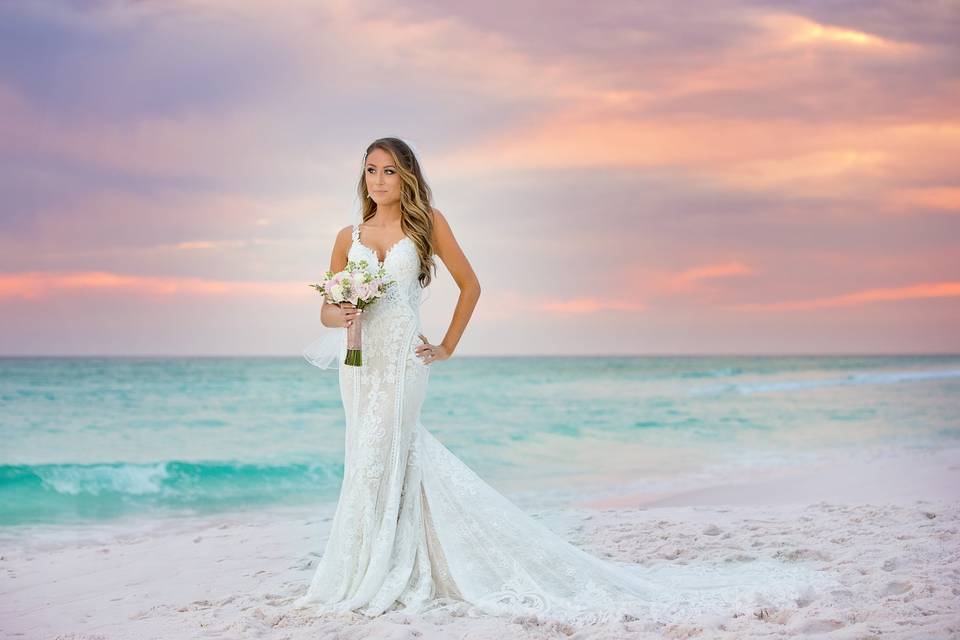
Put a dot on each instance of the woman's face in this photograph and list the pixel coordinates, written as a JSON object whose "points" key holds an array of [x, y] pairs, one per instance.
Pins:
{"points": [[383, 181]]}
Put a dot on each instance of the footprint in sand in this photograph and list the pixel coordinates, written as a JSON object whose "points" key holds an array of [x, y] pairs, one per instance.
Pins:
{"points": [[821, 626], [896, 588], [196, 605], [801, 555]]}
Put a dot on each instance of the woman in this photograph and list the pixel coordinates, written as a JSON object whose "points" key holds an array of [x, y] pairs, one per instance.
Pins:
{"points": [[415, 529]]}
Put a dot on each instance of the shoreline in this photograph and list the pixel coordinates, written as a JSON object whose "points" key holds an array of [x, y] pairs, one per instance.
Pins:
{"points": [[884, 528], [894, 476]]}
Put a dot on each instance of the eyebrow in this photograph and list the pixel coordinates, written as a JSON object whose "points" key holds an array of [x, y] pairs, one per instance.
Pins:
{"points": [[370, 164]]}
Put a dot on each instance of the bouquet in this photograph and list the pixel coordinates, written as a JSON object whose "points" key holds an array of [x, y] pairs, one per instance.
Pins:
{"points": [[358, 286]]}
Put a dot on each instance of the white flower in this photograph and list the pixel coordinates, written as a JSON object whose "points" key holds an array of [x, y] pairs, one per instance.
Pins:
{"points": [[336, 292]]}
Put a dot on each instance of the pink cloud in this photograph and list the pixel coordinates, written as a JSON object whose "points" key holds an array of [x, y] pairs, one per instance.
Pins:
{"points": [[859, 298], [43, 285], [942, 198], [587, 305], [790, 158], [628, 298], [750, 115], [691, 279]]}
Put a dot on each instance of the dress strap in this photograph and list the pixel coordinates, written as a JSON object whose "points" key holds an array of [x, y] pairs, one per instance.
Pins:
{"points": [[356, 232]]}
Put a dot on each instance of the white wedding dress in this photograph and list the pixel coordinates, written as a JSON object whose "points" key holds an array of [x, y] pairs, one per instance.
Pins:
{"points": [[416, 530]]}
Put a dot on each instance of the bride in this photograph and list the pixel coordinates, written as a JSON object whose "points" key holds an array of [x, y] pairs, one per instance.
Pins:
{"points": [[417, 530]]}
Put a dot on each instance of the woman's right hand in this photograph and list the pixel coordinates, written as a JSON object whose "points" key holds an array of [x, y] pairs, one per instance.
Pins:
{"points": [[345, 313]]}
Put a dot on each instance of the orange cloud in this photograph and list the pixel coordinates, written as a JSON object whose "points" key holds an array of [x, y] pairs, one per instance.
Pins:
{"points": [[794, 156], [923, 290], [792, 31], [596, 118], [803, 158], [40, 285]]}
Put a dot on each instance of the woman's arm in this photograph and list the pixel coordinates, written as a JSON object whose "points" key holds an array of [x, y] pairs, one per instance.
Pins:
{"points": [[446, 246], [332, 315]]}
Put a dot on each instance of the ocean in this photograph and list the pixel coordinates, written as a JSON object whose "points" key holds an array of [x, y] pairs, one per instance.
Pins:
{"points": [[100, 439]]}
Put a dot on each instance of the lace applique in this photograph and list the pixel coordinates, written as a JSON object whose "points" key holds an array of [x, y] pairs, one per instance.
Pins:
{"points": [[394, 340], [515, 593], [402, 263], [373, 468], [372, 427]]}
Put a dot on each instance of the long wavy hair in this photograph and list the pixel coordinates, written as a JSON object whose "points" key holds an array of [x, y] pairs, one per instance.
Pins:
{"points": [[416, 215]]}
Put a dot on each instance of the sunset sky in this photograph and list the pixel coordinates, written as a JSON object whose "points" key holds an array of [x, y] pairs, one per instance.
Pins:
{"points": [[624, 177]]}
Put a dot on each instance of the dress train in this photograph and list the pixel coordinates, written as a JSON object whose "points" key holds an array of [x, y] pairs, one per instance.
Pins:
{"points": [[416, 530]]}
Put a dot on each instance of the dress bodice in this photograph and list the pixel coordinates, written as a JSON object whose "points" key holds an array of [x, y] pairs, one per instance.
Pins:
{"points": [[402, 264], [389, 318]]}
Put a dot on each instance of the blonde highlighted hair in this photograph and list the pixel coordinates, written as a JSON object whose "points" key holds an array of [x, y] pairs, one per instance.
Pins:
{"points": [[416, 211]]}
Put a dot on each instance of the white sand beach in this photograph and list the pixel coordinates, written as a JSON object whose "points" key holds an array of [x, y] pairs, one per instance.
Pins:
{"points": [[886, 528]]}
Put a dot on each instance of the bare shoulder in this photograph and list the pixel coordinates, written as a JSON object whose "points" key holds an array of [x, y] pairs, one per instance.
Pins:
{"points": [[341, 248], [445, 242], [439, 220], [345, 235]]}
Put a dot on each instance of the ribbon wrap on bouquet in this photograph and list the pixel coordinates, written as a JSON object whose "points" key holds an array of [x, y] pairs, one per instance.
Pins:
{"points": [[354, 343]]}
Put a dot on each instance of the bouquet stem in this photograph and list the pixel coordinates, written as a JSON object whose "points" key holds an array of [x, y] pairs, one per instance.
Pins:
{"points": [[354, 356]]}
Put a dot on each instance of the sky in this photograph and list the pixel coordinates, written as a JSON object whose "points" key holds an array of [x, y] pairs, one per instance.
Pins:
{"points": [[737, 178]]}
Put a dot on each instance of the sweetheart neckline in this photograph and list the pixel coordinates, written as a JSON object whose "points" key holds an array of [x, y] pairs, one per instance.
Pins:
{"points": [[374, 252]]}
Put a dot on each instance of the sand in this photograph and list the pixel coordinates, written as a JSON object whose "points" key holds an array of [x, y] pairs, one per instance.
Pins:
{"points": [[886, 528]]}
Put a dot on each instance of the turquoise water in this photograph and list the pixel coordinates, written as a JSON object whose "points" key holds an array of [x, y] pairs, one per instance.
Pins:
{"points": [[98, 438]]}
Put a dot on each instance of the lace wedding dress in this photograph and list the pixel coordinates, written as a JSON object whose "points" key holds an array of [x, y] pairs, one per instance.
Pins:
{"points": [[416, 530]]}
